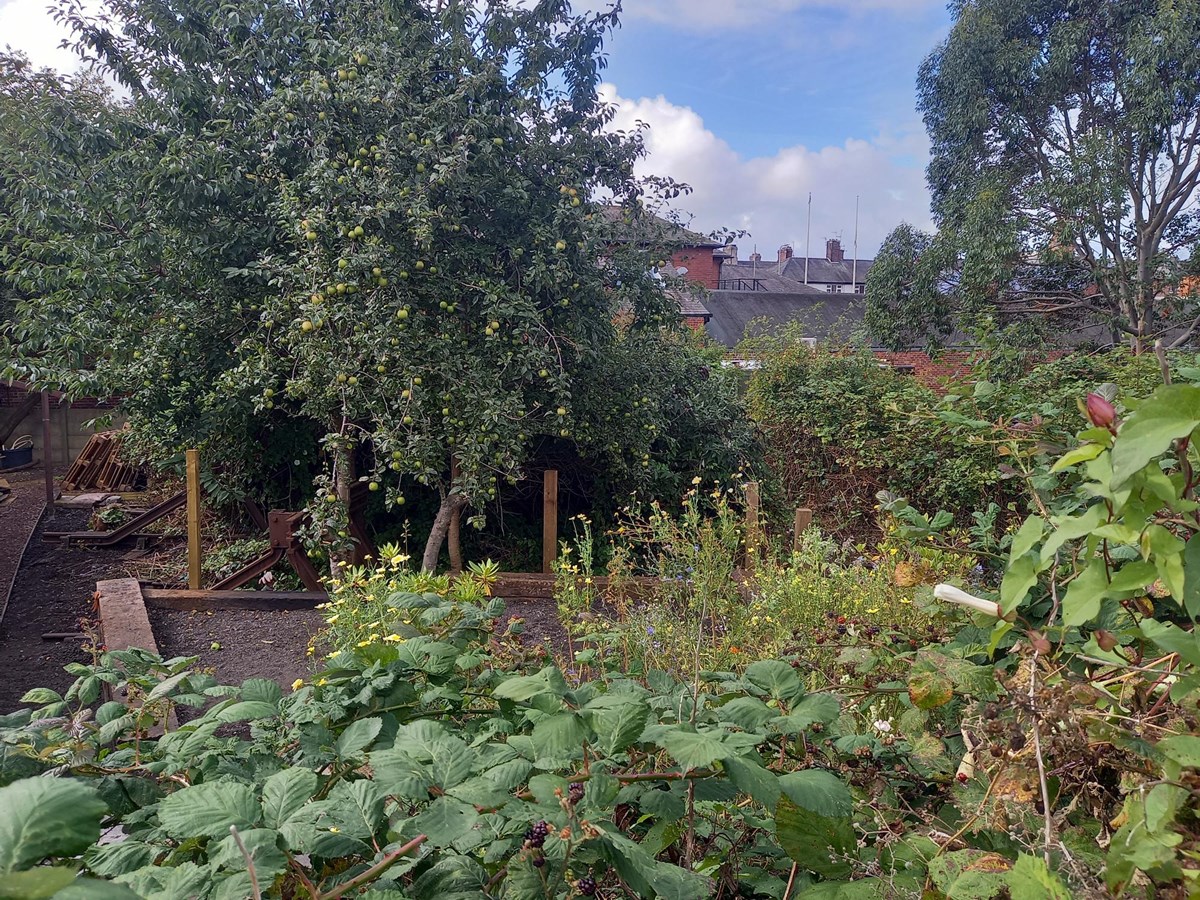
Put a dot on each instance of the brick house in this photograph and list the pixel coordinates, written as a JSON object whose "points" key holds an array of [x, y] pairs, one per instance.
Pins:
{"points": [[753, 296]]}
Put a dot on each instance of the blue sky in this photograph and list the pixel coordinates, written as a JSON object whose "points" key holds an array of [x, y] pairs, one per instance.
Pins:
{"points": [[814, 74], [754, 103]]}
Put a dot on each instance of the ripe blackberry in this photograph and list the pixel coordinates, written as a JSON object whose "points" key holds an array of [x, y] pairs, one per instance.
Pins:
{"points": [[586, 886], [575, 792], [539, 861], [536, 836]]}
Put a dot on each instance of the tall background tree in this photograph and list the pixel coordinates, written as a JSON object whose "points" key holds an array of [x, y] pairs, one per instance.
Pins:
{"points": [[1066, 133], [348, 242]]}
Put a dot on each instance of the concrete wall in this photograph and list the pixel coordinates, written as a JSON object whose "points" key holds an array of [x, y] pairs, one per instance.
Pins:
{"points": [[68, 434]]}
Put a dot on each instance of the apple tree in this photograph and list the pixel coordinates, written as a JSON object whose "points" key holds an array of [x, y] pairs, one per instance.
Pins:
{"points": [[371, 226]]}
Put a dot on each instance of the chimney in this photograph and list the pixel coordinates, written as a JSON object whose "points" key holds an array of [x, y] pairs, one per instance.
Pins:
{"points": [[756, 257], [833, 250], [731, 252], [785, 253]]}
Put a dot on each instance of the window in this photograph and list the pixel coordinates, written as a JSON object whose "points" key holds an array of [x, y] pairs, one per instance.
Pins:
{"points": [[833, 288], [860, 288]]}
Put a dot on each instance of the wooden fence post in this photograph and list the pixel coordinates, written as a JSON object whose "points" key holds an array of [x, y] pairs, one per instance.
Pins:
{"points": [[752, 535], [193, 518], [803, 522], [549, 519], [48, 455]]}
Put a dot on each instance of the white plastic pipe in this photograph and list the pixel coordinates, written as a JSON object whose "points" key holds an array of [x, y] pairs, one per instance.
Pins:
{"points": [[951, 594]]}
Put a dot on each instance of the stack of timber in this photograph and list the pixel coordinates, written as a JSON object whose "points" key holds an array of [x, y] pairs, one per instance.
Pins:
{"points": [[99, 468]]}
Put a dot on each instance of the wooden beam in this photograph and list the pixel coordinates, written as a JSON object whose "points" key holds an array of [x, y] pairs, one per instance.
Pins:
{"points": [[193, 518], [15, 416], [124, 624], [48, 455], [549, 520], [802, 524], [752, 528]]}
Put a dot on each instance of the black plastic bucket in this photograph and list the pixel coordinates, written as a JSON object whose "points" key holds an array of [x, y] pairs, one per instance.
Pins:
{"points": [[11, 459]]}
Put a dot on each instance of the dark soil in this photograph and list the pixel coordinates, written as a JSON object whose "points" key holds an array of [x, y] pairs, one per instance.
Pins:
{"points": [[239, 644], [52, 592], [18, 516], [541, 625]]}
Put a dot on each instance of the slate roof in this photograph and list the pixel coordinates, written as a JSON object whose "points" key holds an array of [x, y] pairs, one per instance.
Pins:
{"points": [[666, 231], [690, 306], [823, 316], [820, 271]]}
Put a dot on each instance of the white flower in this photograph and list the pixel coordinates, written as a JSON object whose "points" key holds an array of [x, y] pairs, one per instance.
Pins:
{"points": [[883, 726], [951, 594]]}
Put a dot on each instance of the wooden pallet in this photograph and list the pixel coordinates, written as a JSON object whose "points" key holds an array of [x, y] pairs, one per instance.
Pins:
{"points": [[99, 467]]}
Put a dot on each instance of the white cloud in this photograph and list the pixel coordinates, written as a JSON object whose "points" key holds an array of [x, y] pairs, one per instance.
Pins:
{"points": [[26, 25], [764, 195], [768, 196]]}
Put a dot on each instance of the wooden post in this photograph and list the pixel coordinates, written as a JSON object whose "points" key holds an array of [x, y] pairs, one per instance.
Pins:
{"points": [[47, 454], [803, 521], [752, 536], [549, 519], [193, 518]]}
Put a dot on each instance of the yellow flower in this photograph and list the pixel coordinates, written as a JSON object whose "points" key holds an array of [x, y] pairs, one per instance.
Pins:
{"points": [[333, 829], [696, 480], [297, 684], [394, 639], [366, 643], [873, 609]]}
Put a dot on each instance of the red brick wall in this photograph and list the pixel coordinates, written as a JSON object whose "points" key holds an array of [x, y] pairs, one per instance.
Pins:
{"points": [[12, 395], [696, 323], [703, 268], [951, 365]]}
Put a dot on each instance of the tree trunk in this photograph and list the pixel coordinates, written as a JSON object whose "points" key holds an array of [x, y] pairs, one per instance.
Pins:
{"points": [[454, 535], [452, 503], [454, 542], [343, 478]]}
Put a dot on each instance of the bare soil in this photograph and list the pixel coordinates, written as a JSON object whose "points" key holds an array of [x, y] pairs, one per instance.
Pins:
{"points": [[52, 592], [239, 644], [541, 625]]}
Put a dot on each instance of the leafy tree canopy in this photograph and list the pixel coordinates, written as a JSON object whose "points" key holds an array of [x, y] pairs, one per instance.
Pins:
{"points": [[1066, 133], [372, 224]]}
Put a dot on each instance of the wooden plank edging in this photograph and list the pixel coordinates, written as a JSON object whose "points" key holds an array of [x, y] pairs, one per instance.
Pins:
{"points": [[124, 623]]}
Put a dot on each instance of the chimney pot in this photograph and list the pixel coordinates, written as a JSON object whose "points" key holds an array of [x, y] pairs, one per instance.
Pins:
{"points": [[755, 257], [833, 250], [785, 253], [732, 250]]}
